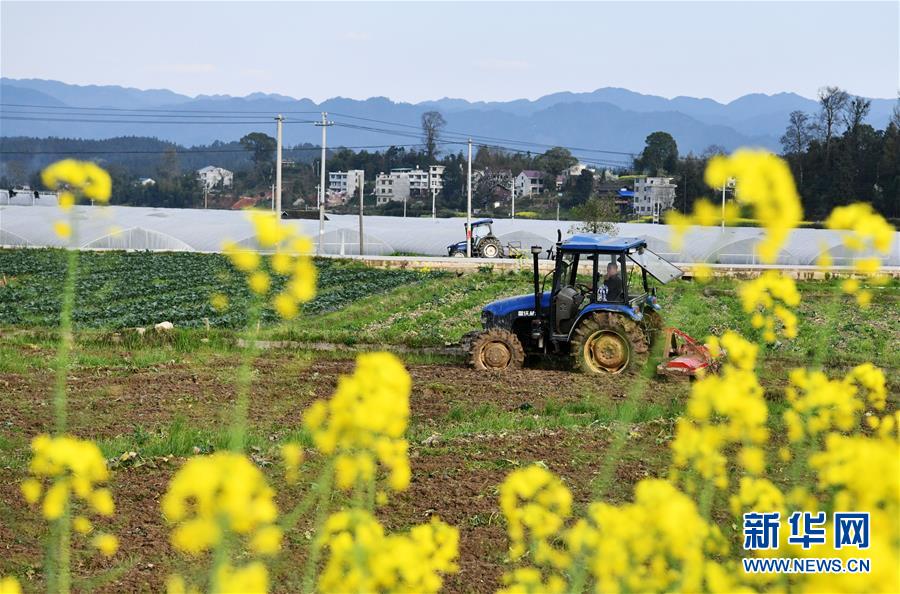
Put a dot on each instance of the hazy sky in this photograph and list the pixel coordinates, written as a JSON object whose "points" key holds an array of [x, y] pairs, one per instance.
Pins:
{"points": [[497, 51]]}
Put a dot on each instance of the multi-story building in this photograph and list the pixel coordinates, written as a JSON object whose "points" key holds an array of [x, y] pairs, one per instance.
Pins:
{"points": [[211, 176], [345, 184], [402, 183], [529, 182], [391, 186], [653, 195], [436, 177]]}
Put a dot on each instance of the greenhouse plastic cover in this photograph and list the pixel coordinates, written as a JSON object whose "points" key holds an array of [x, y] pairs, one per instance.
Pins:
{"points": [[141, 228]]}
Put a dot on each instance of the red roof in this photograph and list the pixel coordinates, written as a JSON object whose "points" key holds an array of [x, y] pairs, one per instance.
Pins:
{"points": [[245, 202]]}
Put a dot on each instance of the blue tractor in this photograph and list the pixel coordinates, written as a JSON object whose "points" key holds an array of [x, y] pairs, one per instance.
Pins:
{"points": [[606, 325], [484, 243]]}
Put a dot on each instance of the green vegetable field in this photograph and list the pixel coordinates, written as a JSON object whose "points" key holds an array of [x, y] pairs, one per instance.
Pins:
{"points": [[126, 289]]}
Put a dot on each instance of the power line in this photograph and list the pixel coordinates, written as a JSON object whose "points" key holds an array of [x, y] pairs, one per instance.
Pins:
{"points": [[140, 115], [161, 110], [187, 113], [194, 151], [474, 136], [82, 120]]}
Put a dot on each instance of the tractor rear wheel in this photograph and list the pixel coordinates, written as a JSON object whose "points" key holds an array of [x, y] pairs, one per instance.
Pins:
{"points": [[609, 343], [490, 247], [497, 349]]}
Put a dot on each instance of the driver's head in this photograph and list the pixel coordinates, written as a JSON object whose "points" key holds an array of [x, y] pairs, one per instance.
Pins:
{"points": [[612, 269]]}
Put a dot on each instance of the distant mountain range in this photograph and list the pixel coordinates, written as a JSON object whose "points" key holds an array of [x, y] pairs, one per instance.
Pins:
{"points": [[608, 119]]}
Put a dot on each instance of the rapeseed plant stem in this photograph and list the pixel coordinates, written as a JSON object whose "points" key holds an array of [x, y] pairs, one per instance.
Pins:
{"points": [[312, 559], [64, 345], [238, 437]]}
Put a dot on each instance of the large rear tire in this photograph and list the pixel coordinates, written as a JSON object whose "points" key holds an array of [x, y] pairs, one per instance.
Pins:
{"points": [[609, 343], [490, 247], [497, 349]]}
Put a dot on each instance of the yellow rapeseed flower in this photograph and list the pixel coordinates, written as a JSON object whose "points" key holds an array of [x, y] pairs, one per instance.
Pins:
{"points": [[285, 305], [536, 505], [223, 489], [82, 525], [83, 176], [292, 455], [219, 301], [365, 420], [10, 585], [362, 558], [252, 578], [62, 229], [769, 298], [107, 544], [764, 182], [259, 282]]}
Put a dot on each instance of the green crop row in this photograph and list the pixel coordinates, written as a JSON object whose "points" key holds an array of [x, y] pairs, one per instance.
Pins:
{"points": [[125, 289]]}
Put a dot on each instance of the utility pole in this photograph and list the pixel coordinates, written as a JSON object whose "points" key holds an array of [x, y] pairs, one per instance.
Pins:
{"points": [[433, 202], [469, 204], [360, 181], [280, 120], [725, 183], [205, 196], [324, 124], [512, 194]]}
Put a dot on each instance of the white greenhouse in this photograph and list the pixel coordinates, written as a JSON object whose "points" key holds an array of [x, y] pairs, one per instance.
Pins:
{"points": [[139, 228]]}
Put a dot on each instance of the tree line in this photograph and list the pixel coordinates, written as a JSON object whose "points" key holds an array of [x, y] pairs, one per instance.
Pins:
{"points": [[836, 158]]}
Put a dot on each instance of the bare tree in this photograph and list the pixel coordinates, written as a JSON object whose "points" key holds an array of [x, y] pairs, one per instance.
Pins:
{"points": [[432, 124], [832, 101], [798, 133], [855, 112], [796, 139]]}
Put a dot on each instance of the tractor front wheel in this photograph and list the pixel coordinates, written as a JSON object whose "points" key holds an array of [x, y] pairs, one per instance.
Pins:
{"points": [[497, 349], [609, 343]]}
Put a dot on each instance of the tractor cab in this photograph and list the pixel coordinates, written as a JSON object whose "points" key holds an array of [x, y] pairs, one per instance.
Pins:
{"points": [[601, 273], [484, 243], [600, 308]]}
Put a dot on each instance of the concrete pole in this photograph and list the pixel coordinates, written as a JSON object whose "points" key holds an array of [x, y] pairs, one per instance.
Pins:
{"points": [[512, 194], [360, 181], [723, 205], [469, 204], [433, 203], [280, 120], [324, 124]]}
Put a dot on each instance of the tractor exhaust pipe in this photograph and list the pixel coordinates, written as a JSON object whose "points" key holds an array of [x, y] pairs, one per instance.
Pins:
{"points": [[537, 323], [535, 256]]}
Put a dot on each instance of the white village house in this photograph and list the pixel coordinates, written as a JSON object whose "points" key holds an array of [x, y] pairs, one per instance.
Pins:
{"points": [[529, 182], [211, 176], [402, 183], [344, 184], [653, 195]]}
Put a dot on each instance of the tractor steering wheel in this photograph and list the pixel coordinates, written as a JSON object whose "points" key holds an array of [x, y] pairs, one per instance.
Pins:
{"points": [[585, 290]]}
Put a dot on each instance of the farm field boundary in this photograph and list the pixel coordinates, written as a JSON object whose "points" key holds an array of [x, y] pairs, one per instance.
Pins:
{"points": [[465, 265]]}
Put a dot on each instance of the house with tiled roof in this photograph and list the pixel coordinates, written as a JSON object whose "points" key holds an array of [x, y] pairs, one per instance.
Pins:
{"points": [[529, 181]]}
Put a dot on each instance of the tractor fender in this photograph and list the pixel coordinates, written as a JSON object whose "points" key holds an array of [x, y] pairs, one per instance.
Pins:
{"points": [[619, 308]]}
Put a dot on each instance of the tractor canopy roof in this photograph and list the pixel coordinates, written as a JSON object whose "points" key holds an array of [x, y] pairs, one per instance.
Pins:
{"points": [[590, 242], [482, 222]]}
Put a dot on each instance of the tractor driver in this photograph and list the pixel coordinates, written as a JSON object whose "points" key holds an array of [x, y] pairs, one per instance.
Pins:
{"points": [[612, 283]]}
